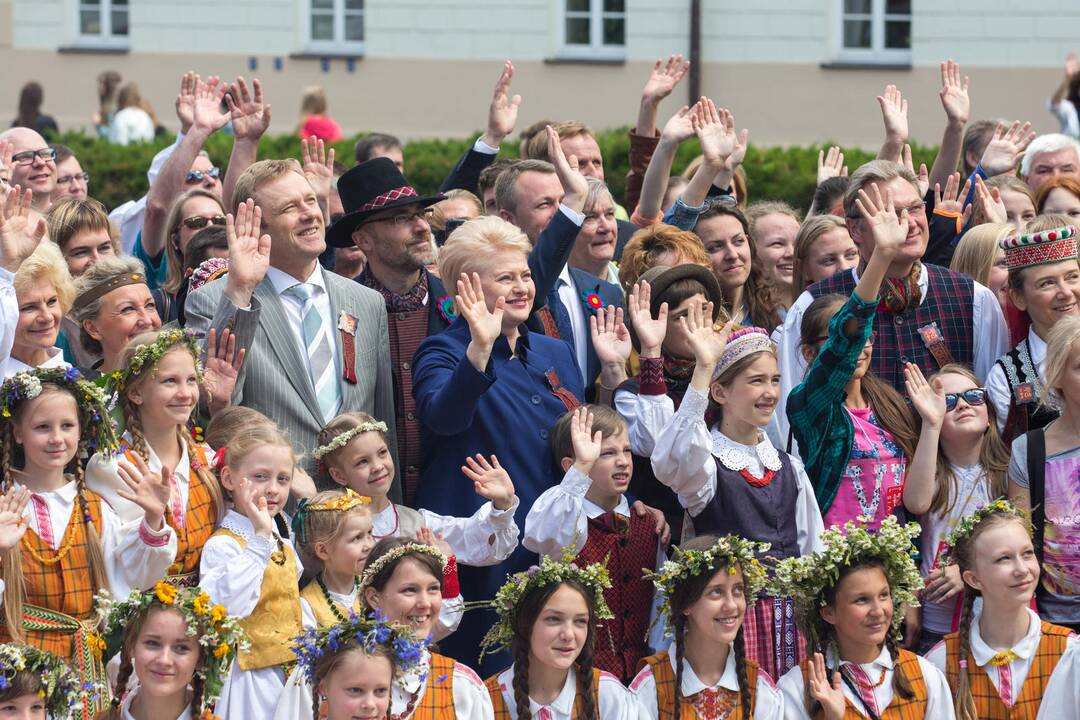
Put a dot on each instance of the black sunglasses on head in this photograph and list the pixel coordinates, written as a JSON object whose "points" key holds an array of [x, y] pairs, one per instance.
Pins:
{"points": [[198, 175]]}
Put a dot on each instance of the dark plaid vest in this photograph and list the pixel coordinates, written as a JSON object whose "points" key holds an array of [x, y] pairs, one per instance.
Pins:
{"points": [[949, 301], [407, 330], [620, 642]]}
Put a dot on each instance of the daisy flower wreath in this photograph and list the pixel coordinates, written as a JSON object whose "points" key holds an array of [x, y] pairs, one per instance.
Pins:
{"points": [[149, 355], [97, 432], [60, 687], [968, 523]]}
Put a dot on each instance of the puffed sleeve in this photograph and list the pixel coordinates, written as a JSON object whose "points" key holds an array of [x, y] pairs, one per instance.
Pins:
{"points": [[616, 702], [450, 613], [937, 656], [648, 410], [487, 537], [557, 519], [791, 693], [1063, 689], [939, 702], [643, 688], [136, 557], [683, 458], [808, 521], [102, 477], [471, 697], [232, 575], [768, 703]]}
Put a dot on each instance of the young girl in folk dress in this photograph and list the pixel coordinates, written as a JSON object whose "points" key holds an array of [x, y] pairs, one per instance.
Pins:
{"points": [[850, 600], [972, 467], [705, 674], [351, 666], [179, 646], [38, 685], [547, 619], [159, 391], [74, 544], [249, 566], [1003, 659], [730, 478]]}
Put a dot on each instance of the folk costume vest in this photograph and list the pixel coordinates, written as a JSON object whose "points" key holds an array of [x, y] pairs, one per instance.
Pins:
{"points": [[913, 708], [276, 619], [502, 711], [945, 316], [1025, 388], [988, 702], [438, 700], [625, 546], [664, 678], [321, 608], [199, 520]]}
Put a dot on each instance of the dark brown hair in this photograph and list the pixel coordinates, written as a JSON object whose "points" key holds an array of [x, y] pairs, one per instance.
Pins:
{"points": [[606, 420], [758, 296], [379, 581]]}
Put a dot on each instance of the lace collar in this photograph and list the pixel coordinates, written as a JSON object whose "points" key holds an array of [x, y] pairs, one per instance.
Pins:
{"points": [[736, 456]]}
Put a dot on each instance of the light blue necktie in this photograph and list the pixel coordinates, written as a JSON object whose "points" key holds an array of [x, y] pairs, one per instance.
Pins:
{"points": [[320, 351]]}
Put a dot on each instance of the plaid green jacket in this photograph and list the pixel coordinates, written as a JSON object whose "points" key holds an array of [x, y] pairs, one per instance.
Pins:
{"points": [[815, 408]]}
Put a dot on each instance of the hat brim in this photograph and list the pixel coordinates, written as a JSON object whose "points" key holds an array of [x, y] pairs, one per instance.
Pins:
{"points": [[659, 285], [339, 235]]}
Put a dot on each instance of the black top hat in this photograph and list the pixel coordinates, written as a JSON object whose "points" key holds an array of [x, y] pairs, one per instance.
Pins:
{"points": [[368, 188]]}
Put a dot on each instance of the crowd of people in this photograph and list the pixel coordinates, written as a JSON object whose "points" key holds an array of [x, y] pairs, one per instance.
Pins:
{"points": [[293, 440]]}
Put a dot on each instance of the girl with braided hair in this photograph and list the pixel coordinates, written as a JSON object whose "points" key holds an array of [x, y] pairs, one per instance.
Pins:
{"points": [[850, 601], [1003, 659], [705, 674], [547, 619], [75, 544], [175, 650]]}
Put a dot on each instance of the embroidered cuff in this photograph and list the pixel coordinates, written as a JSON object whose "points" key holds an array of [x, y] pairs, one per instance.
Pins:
{"points": [[694, 403], [575, 482], [154, 538], [450, 586], [651, 377]]}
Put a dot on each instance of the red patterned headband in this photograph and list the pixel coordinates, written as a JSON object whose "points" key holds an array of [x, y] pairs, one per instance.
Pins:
{"points": [[388, 197], [1041, 248]]}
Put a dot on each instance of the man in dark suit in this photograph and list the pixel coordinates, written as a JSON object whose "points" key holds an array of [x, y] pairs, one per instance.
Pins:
{"points": [[316, 342]]}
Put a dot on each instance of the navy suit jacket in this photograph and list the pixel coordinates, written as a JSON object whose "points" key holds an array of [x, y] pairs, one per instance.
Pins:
{"points": [[585, 285]]}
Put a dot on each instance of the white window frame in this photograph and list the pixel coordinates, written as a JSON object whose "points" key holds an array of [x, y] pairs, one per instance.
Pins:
{"points": [[596, 49], [106, 38], [339, 44], [877, 53]]}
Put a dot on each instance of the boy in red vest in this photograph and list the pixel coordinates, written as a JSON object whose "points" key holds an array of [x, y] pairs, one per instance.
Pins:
{"points": [[589, 512]]}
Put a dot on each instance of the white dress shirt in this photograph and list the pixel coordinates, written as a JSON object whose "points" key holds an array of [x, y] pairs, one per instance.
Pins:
{"points": [[997, 386], [615, 701], [571, 300], [294, 308]]}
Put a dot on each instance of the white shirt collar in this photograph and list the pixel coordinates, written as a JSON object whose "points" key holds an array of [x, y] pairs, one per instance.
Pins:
{"points": [[592, 510], [1036, 347], [282, 281], [55, 359], [155, 461], [65, 493], [125, 708], [562, 705], [883, 660], [234, 522], [692, 684], [736, 456], [923, 280], [565, 276], [1025, 648]]}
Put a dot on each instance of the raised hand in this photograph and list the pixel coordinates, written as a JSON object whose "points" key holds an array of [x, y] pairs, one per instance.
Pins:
{"points": [[12, 526], [251, 503], [894, 113], [6, 150], [147, 489], [706, 342], [223, 364], [1006, 148], [318, 166], [887, 229], [927, 398], [680, 127], [943, 583], [827, 691], [1072, 65], [185, 101], [611, 339], [249, 114], [490, 480], [249, 252], [954, 93], [989, 199], [831, 165], [575, 186], [503, 111], [485, 326], [584, 440], [650, 331], [952, 201], [923, 174], [427, 537], [19, 235], [663, 78], [207, 115]]}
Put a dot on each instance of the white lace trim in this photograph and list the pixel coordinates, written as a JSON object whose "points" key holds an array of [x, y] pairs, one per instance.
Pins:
{"points": [[238, 524], [736, 456]]}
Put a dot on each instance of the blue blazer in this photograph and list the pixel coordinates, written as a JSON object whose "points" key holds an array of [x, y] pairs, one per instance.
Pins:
{"points": [[585, 285]]}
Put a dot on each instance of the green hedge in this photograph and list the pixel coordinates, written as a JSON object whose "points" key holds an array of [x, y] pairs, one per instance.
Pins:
{"points": [[777, 173]]}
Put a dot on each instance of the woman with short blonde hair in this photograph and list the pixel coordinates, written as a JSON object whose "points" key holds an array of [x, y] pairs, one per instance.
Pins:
{"points": [[43, 295]]}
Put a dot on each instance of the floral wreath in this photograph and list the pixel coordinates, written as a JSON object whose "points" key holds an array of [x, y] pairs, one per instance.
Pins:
{"points": [[730, 551], [594, 578], [148, 355], [97, 431], [968, 523], [342, 439], [382, 561], [805, 578], [219, 633], [370, 630], [61, 689]]}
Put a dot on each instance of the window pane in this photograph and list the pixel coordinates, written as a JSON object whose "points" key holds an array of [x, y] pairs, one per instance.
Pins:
{"points": [[119, 21], [322, 4], [90, 3], [354, 4], [614, 31], [90, 22], [119, 3], [577, 5], [857, 33], [322, 27], [577, 31], [898, 35], [354, 28], [897, 7], [861, 7], [614, 6]]}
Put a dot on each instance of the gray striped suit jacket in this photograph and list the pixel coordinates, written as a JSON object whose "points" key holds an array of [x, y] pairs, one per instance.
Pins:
{"points": [[274, 378]]}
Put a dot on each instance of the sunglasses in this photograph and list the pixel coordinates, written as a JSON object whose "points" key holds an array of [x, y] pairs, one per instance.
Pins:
{"points": [[198, 221], [198, 175], [973, 397]]}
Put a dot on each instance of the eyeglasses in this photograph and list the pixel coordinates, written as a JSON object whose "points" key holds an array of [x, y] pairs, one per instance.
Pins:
{"points": [[973, 397], [406, 219], [27, 156], [80, 177], [914, 210], [198, 175], [823, 338], [200, 222]]}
